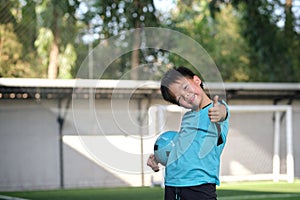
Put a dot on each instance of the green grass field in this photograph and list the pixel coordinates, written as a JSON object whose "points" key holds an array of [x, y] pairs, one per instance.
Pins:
{"points": [[228, 191]]}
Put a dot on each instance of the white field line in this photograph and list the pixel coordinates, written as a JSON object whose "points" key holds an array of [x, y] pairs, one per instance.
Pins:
{"points": [[2, 197], [260, 196]]}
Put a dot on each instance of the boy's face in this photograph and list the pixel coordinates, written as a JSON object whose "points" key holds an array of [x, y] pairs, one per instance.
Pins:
{"points": [[188, 93]]}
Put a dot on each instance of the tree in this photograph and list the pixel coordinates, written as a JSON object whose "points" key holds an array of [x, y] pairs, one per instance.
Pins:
{"points": [[46, 31], [110, 18], [231, 52], [56, 36], [193, 19], [10, 54], [274, 49], [17, 21], [217, 29]]}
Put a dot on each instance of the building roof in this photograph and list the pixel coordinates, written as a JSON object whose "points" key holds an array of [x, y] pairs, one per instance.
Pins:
{"points": [[24, 88], [28, 88]]}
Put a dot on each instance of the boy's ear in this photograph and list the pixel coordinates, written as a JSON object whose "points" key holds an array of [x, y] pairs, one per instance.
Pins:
{"points": [[197, 79]]}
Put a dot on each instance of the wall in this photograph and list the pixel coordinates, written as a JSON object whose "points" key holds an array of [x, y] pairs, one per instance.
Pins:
{"points": [[102, 145], [28, 146]]}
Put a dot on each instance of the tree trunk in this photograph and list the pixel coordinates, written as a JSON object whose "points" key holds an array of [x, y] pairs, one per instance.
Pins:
{"points": [[287, 70], [53, 61], [135, 60], [54, 51], [288, 25]]}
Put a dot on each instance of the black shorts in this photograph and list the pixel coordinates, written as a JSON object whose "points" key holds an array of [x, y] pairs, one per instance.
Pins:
{"points": [[199, 192]]}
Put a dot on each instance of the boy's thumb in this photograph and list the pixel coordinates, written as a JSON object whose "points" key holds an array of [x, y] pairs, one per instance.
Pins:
{"points": [[216, 100]]}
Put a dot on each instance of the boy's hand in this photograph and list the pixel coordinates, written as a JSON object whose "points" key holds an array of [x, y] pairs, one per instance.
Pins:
{"points": [[217, 113], [153, 163]]}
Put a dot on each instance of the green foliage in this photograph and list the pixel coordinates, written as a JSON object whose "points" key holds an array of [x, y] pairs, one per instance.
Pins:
{"points": [[243, 37], [245, 41], [56, 24], [67, 59], [219, 35], [110, 18], [10, 53], [193, 19], [118, 15], [43, 44], [275, 50], [19, 20], [231, 52]]}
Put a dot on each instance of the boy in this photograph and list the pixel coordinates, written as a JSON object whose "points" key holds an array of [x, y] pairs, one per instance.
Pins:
{"points": [[192, 171]]}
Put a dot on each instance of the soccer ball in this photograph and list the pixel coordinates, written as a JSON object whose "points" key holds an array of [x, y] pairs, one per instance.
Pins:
{"points": [[163, 146]]}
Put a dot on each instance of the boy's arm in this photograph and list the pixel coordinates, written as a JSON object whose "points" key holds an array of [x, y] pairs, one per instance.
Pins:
{"points": [[218, 112]]}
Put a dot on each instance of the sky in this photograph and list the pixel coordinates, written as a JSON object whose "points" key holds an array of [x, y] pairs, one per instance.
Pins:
{"points": [[164, 5]]}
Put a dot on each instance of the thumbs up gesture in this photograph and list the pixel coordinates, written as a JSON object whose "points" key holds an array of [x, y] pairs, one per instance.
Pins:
{"points": [[217, 113]]}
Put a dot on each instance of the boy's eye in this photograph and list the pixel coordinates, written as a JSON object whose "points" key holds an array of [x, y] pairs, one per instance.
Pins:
{"points": [[185, 87]]}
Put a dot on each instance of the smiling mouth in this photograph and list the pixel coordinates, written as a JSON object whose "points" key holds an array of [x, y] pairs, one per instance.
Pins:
{"points": [[192, 99]]}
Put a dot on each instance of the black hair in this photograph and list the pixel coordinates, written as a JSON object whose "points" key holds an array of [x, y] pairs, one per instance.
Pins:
{"points": [[172, 76]]}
